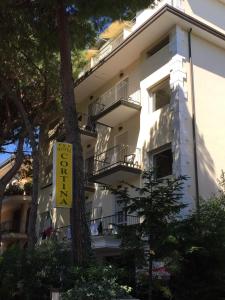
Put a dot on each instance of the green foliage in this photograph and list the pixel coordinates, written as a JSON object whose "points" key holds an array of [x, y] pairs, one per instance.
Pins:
{"points": [[158, 203], [32, 274], [10, 274], [198, 265], [95, 283]]}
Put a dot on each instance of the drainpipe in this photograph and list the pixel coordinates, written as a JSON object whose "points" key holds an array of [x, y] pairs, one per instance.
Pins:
{"points": [[193, 122]]}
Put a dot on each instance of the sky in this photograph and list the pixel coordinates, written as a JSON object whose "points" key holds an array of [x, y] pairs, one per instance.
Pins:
{"points": [[12, 148], [5, 156]]}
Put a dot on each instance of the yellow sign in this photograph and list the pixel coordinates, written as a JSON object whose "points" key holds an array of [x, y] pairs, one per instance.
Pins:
{"points": [[62, 168]]}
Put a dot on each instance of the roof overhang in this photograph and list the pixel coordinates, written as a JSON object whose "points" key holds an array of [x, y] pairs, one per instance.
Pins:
{"points": [[131, 48]]}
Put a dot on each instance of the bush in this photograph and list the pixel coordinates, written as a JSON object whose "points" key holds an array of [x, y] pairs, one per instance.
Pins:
{"points": [[31, 275], [95, 283], [198, 268]]}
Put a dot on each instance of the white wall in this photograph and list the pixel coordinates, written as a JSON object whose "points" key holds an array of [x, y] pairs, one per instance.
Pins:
{"points": [[209, 78], [211, 12]]}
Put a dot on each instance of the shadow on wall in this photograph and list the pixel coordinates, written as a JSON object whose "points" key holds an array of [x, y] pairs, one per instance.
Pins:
{"points": [[106, 140], [103, 138], [172, 124]]}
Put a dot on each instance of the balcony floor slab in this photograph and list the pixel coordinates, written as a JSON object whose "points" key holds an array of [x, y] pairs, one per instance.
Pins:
{"points": [[105, 242], [117, 173], [118, 112]]}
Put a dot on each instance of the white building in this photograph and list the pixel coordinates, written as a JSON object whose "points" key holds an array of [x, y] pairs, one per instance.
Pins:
{"points": [[154, 94]]}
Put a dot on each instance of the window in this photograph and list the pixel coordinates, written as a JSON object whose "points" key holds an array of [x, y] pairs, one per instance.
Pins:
{"points": [[161, 94], [158, 46], [163, 163]]}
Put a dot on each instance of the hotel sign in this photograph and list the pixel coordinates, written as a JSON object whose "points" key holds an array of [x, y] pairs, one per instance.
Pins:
{"points": [[62, 175]]}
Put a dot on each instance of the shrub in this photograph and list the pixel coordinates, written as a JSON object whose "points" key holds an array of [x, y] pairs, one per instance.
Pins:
{"points": [[95, 283], [31, 275]]}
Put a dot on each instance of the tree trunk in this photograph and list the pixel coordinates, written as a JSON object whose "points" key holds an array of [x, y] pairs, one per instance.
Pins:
{"points": [[32, 238], [15, 97], [81, 245], [150, 287], [10, 174]]}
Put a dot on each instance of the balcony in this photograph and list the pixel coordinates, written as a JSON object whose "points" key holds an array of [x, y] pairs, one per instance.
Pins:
{"points": [[87, 127], [109, 226], [117, 164], [116, 106], [88, 170], [109, 46], [104, 230], [107, 49]]}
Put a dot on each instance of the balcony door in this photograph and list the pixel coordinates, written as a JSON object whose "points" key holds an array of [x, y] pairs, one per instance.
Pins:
{"points": [[121, 215], [122, 90], [121, 144]]}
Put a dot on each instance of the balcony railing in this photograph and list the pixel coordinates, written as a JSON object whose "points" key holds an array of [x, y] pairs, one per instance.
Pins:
{"points": [[104, 226], [117, 93], [107, 48], [109, 225], [86, 123], [88, 172], [119, 155]]}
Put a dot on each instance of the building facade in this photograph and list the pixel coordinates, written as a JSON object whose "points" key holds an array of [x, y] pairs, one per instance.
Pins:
{"points": [[151, 96]]}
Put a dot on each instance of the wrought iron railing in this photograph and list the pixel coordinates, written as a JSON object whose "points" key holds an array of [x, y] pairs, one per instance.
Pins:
{"points": [[88, 172], [117, 93], [109, 225], [86, 122], [108, 48], [119, 155], [105, 226]]}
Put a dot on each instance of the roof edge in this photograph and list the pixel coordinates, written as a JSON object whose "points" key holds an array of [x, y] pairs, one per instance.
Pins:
{"points": [[152, 19]]}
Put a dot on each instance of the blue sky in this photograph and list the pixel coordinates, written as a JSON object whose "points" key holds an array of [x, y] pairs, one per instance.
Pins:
{"points": [[12, 148], [4, 156]]}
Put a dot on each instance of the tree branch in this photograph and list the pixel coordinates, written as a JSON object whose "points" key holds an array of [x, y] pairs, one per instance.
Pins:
{"points": [[29, 60], [18, 162]]}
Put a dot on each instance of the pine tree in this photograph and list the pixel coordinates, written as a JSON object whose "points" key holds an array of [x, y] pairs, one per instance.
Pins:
{"points": [[60, 26], [158, 203]]}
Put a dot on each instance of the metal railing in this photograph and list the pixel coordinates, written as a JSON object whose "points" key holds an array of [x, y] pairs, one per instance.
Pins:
{"points": [[109, 225], [105, 226], [86, 122], [119, 155], [117, 93], [88, 172], [107, 48]]}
